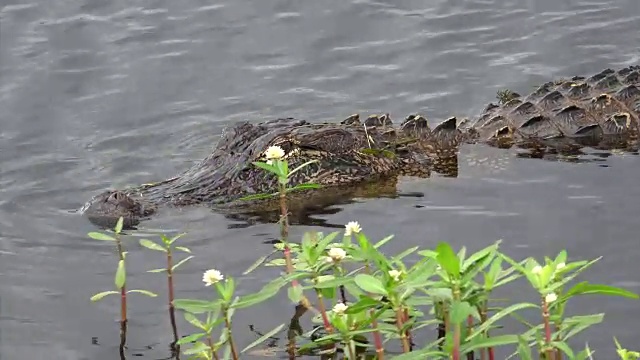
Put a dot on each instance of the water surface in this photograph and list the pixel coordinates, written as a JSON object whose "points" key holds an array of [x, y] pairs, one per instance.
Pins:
{"points": [[102, 93]]}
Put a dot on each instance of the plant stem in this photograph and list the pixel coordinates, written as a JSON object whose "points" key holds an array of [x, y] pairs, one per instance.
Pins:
{"points": [[213, 348], [547, 329], [456, 342], [323, 312], [172, 315], [227, 323], [456, 329], [123, 300], [470, 355], [123, 339], [408, 332], [483, 318], [401, 333], [377, 338], [351, 345]]}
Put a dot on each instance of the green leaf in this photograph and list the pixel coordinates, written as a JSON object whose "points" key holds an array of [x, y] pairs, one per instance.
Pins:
{"points": [[193, 320], [196, 306], [151, 245], [264, 166], [118, 228], [100, 236], [370, 284], [306, 186], [184, 249], [365, 303], [181, 262], [448, 260], [173, 239], [580, 323], [198, 348], [257, 263], [383, 241], [257, 197], [523, 349], [499, 315], [564, 347], [267, 292], [156, 270], [302, 166], [143, 292], [460, 311], [190, 338], [295, 293], [585, 288], [100, 295], [329, 281], [480, 255], [121, 275], [263, 337], [494, 341]]}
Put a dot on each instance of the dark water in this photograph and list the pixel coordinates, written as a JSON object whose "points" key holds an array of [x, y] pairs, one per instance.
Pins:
{"points": [[100, 93]]}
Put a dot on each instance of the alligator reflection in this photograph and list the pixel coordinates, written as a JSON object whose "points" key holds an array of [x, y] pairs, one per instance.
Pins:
{"points": [[303, 206]]}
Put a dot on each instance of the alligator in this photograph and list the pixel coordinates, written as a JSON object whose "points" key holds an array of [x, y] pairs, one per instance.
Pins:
{"points": [[352, 157]]}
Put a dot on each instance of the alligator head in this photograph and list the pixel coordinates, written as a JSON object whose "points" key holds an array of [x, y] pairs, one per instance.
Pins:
{"points": [[106, 208]]}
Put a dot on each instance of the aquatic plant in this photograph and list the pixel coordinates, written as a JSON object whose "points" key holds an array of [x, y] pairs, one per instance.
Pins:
{"points": [[119, 280], [359, 291], [166, 247]]}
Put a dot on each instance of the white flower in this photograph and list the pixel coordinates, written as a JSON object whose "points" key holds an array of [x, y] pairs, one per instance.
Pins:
{"points": [[395, 274], [274, 152], [536, 269], [551, 297], [211, 277], [352, 227], [560, 266], [340, 308], [336, 254]]}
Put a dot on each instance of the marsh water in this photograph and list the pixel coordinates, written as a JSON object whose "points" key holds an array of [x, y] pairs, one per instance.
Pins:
{"points": [[106, 93]]}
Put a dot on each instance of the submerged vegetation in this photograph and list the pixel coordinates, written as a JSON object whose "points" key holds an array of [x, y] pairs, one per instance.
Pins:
{"points": [[365, 302]]}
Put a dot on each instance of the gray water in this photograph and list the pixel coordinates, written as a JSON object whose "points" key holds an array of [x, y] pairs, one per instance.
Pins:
{"points": [[106, 93]]}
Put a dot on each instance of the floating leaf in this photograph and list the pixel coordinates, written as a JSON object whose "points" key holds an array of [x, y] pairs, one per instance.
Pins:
{"points": [[99, 296], [151, 245], [100, 236]]}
